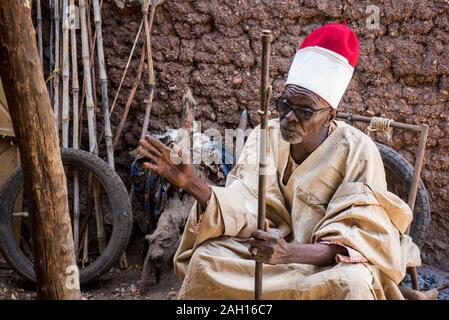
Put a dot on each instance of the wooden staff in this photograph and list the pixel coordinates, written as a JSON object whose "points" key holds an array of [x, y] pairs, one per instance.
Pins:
{"points": [[104, 84], [57, 67], [39, 30], [75, 141], [90, 109], [65, 75], [265, 93], [148, 25]]}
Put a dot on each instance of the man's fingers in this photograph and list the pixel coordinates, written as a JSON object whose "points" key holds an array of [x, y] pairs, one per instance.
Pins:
{"points": [[146, 154], [149, 147], [150, 166], [260, 234], [162, 148], [259, 244]]}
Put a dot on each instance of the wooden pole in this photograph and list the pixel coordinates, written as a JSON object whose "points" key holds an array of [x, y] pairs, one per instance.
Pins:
{"points": [[265, 92], [51, 5], [57, 68], [65, 74], [39, 30], [38, 142], [104, 83], [90, 108], [148, 25], [75, 123]]}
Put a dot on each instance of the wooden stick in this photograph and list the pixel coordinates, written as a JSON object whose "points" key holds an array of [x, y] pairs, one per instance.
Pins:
{"points": [[127, 66], [85, 245], [265, 92], [75, 141], [101, 234], [130, 98], [90, 108], [104, 84], [92, 51], [57, 67], [92, 42], [65, 75], [39, 30], [52, 53], [149, 101]]}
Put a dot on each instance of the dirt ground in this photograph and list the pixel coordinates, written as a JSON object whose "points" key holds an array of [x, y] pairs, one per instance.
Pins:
{"points": [[123, 284], [116, 284]]}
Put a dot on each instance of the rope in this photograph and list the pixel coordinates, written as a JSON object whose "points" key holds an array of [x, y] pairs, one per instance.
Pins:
{"points": [[381, 124], [53, 74]]}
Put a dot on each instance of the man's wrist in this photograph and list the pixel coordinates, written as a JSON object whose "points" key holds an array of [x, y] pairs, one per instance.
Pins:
{"points": [[198, 189]]}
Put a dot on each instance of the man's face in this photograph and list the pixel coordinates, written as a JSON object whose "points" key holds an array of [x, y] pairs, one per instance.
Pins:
{"points": [[296, 129]]}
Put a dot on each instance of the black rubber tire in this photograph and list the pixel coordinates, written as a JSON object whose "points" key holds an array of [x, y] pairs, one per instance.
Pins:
{"points": [[401, 171], [121, 212]]}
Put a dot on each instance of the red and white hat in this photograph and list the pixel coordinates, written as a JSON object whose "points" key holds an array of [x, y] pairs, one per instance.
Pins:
{"points": [[325, 61]]}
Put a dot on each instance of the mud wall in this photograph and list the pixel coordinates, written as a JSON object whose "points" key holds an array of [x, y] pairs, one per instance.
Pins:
{"points": [[213, 47]]}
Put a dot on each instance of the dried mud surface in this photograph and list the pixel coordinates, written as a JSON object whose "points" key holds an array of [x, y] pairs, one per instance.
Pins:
{"points": [[213, 47]]}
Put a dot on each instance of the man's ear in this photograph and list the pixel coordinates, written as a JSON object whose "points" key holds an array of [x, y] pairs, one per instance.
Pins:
{"points": [[331, 116]]}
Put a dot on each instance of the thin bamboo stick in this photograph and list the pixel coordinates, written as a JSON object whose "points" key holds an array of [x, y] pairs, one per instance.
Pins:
{"points": [[104, 83], [93, 43], [57, 67], [101, 234], [85, 259], [65, 74], [92, 55], [149, 101], [127, 65], [52, 53], [75, 141], [130, 98], [90, 108], [39, 30]]}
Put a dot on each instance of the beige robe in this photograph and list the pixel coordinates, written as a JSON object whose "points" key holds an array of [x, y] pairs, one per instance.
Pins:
{"points": [[337, 195]]}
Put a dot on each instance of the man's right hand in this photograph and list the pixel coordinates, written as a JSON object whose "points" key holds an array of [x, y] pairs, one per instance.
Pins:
{"points": [[180, 175], [161, 155]]}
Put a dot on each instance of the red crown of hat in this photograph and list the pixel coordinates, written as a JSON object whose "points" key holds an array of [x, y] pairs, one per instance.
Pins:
{"points": [[337, 38], [325, 61]]}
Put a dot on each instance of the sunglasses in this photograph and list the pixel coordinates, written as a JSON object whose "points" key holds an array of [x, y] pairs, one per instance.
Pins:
{"points": [[283, 107]]}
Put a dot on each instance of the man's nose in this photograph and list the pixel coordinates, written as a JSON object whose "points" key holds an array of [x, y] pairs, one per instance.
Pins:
{"points": [[291, 117]]}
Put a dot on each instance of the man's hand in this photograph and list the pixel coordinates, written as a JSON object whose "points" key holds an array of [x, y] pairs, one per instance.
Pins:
{"points": [[270, 247], [161, 155], [180, 174]]}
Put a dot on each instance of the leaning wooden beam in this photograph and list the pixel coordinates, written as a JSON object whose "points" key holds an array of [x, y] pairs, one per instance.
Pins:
{"points": [[65, 74], [104, 83], [75, 141], [57, 67], [30, 110]]}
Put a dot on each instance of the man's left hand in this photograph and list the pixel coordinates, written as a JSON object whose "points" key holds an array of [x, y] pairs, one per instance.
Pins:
{"points": [[269, 247]]}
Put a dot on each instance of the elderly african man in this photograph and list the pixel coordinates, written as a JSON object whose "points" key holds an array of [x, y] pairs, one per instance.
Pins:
{"points": [[333, 229]]}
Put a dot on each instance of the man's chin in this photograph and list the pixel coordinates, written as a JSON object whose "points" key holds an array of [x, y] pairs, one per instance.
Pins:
{"points": [[291, 137]]}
